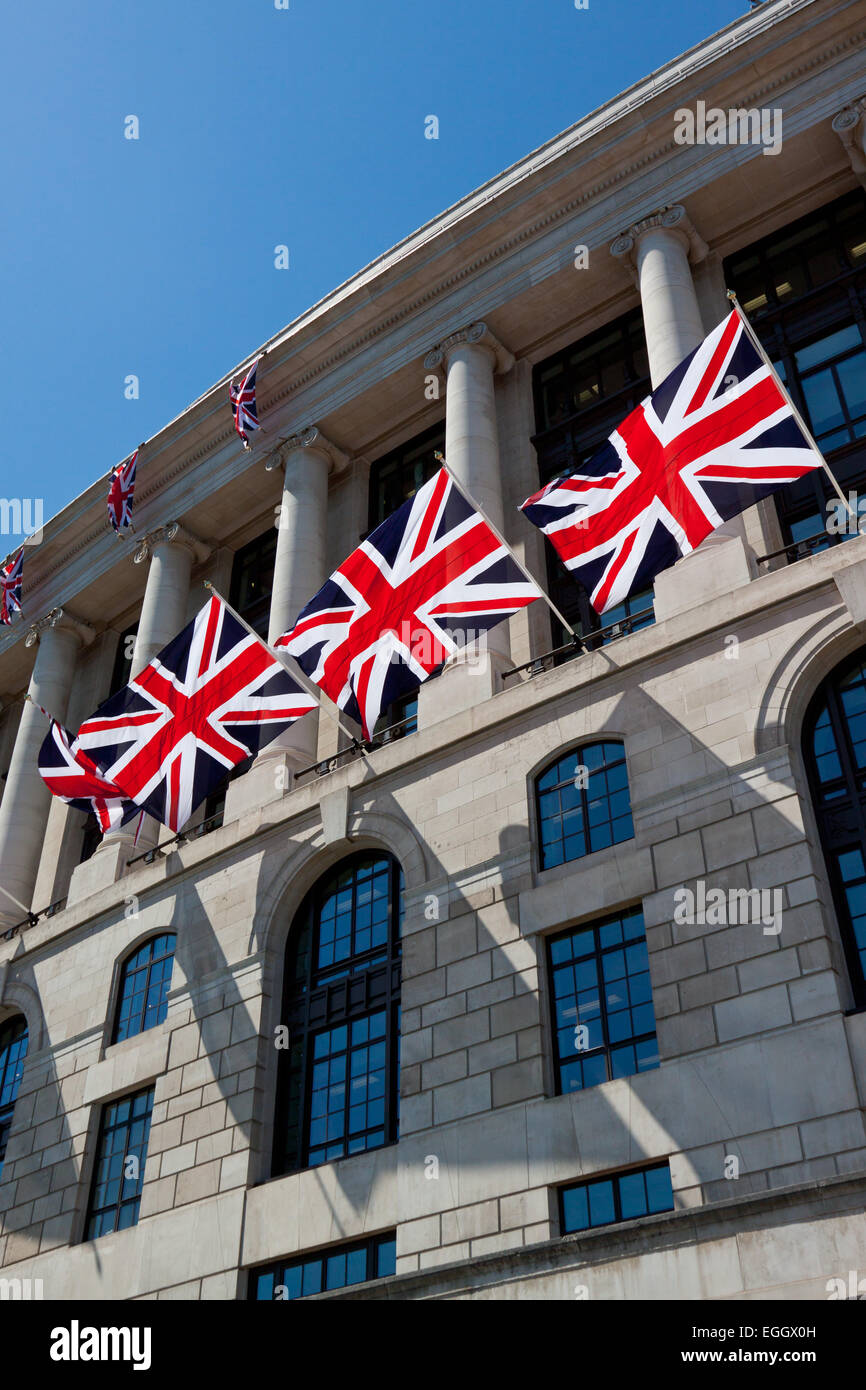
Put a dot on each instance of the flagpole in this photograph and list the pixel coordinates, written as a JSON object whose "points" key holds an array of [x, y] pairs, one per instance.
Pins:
{"points": [[503, 542], [813, 443], [288, 662], [26, 910]]}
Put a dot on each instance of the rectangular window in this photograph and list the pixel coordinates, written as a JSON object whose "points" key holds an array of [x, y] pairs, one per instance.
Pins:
{"points": [[347, 1103], [581, 395], [620, 1197], [398, 476], [804, 287], [603, 1017], [120, 1158], [321, 1271], [253, 581]]}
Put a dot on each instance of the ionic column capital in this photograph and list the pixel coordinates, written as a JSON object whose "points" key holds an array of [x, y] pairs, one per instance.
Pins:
{"points": [[673, 219], [850, 125], [473, 335], [63, 621], [173, 533], [313, 439]]}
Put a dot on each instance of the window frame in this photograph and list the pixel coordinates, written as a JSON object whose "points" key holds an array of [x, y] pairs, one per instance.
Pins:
{"points": [[432, 438], [826, 810], [7, 1111], [122, 968], [788, 327], [360, 986], [91, 1211], [595, 924], [372, 1245], [615, 1179], [579, 750]]}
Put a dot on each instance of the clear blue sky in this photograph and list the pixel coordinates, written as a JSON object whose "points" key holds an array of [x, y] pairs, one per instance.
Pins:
{"points": [[258, 127]]}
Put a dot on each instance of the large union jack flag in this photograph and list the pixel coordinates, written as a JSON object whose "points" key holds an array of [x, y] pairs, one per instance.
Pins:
{"points": [[242, 394], [430, 579], [74, 778], [10, 587], [206, 703], [716, 436], [120, 494]]}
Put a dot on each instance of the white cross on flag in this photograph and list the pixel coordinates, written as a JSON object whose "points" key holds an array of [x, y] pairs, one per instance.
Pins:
{"points": [[716, 436], [72, 776], [209, 701], [432, 578]]}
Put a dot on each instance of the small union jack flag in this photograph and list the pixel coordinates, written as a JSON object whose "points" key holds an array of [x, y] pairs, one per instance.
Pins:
{"points": [[243, 399], [10, 587], [120, 494], [73, 777], [717, 435], [206, 703], [397, 608]]}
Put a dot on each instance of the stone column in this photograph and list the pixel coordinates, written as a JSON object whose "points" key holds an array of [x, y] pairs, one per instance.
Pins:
{"points": [[850, 126], [27, 800], [659, 249], [469, 361], [308, 460]]}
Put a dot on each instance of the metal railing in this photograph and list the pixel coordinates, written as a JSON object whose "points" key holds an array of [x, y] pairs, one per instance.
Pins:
{"points": [[33, 917], [797, 550], [591, 641]]}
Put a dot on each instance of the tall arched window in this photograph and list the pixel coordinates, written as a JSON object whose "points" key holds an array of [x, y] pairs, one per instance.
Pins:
{"points": [[145, 979], [337, 1090], [13, 1049], [834, 749], [583, 803]]}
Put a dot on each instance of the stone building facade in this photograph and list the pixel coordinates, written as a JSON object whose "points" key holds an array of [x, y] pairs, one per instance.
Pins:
{"points": [[406, 918]]}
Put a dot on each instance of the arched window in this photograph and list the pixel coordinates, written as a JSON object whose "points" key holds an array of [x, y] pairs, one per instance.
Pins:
{"points": [[145, 980], [583, 803], [13, 1050], [834, 749], [337, 1090]]}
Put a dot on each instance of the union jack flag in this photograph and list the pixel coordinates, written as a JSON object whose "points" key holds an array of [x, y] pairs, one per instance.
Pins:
{"points": [[206, 703], [10, 587], [120, 494], [395, 610], [74, 778], [717, 435], [243, 399]]}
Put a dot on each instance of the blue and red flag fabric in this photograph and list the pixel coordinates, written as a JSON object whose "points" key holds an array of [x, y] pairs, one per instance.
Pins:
{"points": [[242, 394], [120, 494], [73, 777], [10, 587], [718, 434], [207, 702], [432, 578]]}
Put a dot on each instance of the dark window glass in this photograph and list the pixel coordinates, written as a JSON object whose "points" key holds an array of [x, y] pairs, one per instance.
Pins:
{"points": [[253, 581], [120, 1158], [13, 1049], [123, 658], [583, 803], [399, 719], [398, 476], [804, 288], [621, 1197], [338, 1082], [581, 395], [336, 1268], [144, 984], [91, 837], [834, 748], [603, 1018]]}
